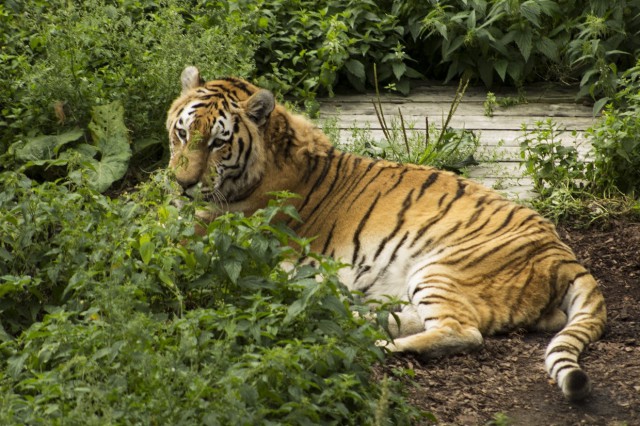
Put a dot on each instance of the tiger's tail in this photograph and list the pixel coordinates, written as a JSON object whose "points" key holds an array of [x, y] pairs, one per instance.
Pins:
{"points": [[586, 318]]}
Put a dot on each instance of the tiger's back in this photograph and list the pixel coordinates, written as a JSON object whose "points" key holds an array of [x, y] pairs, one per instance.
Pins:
{"points": [[468, 262]]}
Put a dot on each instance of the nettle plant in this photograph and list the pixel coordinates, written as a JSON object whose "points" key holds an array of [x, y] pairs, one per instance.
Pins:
{"points": [[597, 184], [518, 41], [113, 311], [309, 47]]}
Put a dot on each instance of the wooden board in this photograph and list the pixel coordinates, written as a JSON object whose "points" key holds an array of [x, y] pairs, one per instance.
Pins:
{"points": [[500, 135]]}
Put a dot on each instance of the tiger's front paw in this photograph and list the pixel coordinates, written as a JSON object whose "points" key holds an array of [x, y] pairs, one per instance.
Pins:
{"points": [[392, 347]]}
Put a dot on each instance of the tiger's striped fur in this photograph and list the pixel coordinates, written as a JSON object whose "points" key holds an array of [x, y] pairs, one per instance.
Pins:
{"points": [[469, 262]]}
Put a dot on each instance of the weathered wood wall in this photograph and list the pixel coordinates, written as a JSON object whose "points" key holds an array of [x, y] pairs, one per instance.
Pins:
{"points": [[500, 135]]}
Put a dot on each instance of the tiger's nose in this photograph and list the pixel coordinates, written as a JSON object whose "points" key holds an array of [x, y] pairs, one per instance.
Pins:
{"points": [[187, 184]]}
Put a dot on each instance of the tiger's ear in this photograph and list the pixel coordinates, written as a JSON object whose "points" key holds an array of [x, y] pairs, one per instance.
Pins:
{"points": [[190, 78], [259, 106]]}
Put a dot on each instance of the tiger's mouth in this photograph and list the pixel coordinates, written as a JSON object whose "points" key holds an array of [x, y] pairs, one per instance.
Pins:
{"points": [[200, 192]]}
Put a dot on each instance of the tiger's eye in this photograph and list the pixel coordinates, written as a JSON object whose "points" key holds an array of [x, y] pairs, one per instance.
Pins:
{"points": [[182, 133]]}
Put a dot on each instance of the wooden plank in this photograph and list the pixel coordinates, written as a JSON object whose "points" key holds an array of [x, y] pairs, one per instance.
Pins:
{"points": [[353, 117], [348, 121], [436, 110], [544, 93], [488, 137]]}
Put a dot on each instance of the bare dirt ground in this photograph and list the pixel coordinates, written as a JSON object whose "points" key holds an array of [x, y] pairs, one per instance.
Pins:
{"points": [[507, 376]]}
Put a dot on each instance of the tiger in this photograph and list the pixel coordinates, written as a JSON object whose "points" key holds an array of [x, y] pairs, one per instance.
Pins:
{"points": [[464, 261]]}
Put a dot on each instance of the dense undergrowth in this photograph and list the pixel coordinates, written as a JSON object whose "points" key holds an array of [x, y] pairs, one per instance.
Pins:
{"points": [[113, 312], [598, 185]]}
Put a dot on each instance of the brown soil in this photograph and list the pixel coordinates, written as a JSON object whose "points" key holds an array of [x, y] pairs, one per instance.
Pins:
{"points": [[507, 376]]}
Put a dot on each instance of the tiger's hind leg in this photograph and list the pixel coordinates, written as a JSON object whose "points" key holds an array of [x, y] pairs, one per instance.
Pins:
{"points": [[553, 321], [447, 320]]}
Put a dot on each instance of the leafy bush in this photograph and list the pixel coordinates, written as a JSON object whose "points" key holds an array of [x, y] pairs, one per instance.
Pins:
{"points": [[308, 47], [550, 162], [64, 58], [616, 140], [519, 41], [112, 311], [104, 160], [609, 185]]}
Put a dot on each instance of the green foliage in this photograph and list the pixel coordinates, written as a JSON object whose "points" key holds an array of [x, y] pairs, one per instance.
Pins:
{"points": [[518, 41], [616, 140], [100, 163], [550, 162], [500, 419], [61, 59], [572, 188], [442, 147], [308, 47], [114, 312], [607, 43], [489, 104]]}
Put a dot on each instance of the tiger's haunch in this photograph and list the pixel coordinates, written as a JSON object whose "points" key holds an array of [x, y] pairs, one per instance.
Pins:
{"points": [[469, 262]]}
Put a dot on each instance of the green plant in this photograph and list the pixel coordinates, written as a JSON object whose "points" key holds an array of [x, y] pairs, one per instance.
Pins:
{"points": [[113, 311], [548, 161], [572, 187], [500, 419], [489, 104], [447, 148], [504, 38], [616, 140], [63, 58], [308, 47], [100, 162], [590, 41], [607, 41]]}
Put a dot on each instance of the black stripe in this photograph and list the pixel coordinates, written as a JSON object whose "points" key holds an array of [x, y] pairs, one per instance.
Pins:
{"points": [[323, 174], [433, 177], [579, 335], [398, 181], [373, 179], [363, 221], [563, 360], [322, 201], [325, 247], [565, 347], [574, 366], [406, 204]]}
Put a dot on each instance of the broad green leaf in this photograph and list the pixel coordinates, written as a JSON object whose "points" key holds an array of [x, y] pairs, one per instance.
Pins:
{"points": [[356, 68], [294, 310], [15, 364], [398, 69], [515, 69], [233, 269], [548, 48], [111, 138], [141, 144], [449, 48], [403, 86], [523, 40], [599, 104], [549, 7], [442, 30], [147, 247], [531, 11], [485, 69], [45, 147], [471, 20], [501, 68]]}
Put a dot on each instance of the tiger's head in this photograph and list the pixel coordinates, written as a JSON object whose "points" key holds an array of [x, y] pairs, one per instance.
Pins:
{"points": [[216, 130]]}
